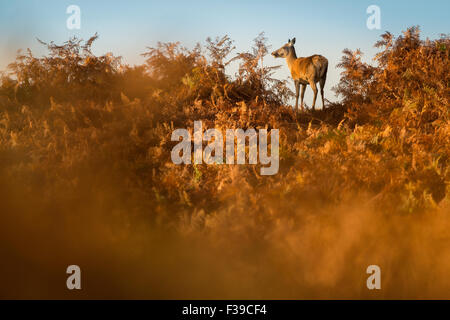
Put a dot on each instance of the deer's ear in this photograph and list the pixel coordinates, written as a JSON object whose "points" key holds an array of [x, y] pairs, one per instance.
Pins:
{"points": [[289, 40], [293, 41]]}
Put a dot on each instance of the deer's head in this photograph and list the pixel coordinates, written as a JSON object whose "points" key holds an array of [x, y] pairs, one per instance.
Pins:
{"points": [[284, 51]]}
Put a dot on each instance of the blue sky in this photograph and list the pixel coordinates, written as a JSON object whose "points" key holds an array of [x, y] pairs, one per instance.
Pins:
{"points": [[126, 28]]}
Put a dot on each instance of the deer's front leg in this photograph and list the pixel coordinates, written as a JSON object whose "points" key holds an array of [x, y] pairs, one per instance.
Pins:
{"points": [[297, 91], [302, 95]]}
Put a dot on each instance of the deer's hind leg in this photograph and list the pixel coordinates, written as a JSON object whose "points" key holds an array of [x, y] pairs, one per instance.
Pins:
{"points": [[322, 86], [314, 88]]}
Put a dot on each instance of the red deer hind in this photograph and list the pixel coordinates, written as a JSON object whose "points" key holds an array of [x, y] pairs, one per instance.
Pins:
{"points": [[304, 71]]}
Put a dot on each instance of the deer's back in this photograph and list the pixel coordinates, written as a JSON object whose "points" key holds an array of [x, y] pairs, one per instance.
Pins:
{"points": [[313, 67]]}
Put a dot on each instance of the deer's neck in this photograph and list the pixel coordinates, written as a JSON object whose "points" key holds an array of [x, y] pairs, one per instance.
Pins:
{"points": [[291, 57]]}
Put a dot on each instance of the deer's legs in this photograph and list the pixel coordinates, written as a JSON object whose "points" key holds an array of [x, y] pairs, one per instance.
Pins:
{"points": [[322, 85], [314, 88], [302, 95], [297, 91]]}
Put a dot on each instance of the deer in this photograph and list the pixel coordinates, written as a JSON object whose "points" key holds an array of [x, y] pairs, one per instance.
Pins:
{"points": [[304, 71]]}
